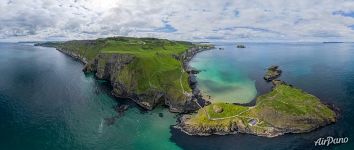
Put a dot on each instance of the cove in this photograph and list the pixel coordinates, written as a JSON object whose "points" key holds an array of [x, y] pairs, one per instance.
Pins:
{"points": [[221, 79]]}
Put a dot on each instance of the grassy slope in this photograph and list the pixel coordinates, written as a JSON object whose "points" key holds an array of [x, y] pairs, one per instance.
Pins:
{"points": [[288, 105], [89, 49], [153, 68], [155, 64], [284, 107]]}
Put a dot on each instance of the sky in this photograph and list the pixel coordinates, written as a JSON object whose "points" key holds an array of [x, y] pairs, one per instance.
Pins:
{"points": [[193, 20]]}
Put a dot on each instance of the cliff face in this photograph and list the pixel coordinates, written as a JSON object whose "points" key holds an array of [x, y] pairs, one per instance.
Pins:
{"points": [[73, 55], [115, 68]]}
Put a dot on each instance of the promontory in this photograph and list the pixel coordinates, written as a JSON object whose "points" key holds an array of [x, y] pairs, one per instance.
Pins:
{"points": [[149, 71]]}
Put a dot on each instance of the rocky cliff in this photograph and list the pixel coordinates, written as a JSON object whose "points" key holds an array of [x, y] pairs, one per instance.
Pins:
{"points": [[132, 76], [113, 68]]}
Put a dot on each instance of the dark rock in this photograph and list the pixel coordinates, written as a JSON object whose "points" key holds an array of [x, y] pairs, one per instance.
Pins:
{"points": [[110, 121], [277, 82], [217, 109], [191, 106], [121, 109], [241, 46], [175, 56], [196, 91], [272, 73], [192, 80], [191, 70], [161, 115]]}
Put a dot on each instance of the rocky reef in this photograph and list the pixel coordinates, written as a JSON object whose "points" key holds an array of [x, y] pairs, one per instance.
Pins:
{"points": [[273, 72]]}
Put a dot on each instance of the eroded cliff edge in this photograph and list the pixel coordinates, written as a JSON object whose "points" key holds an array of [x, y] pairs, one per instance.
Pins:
{"points": [[147, 70]]}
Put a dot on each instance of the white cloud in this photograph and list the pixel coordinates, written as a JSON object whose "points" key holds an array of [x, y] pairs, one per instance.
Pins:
{"points": [[299, 20]]}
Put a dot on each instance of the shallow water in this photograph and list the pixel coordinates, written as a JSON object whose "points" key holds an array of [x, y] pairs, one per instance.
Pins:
{"points": [[221, 79]]}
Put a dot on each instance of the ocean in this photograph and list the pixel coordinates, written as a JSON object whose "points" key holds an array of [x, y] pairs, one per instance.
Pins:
{"points": [[47, 102]]}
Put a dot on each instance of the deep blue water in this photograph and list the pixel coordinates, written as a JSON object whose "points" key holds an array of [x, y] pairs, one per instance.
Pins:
{"points": [[46, 102]]}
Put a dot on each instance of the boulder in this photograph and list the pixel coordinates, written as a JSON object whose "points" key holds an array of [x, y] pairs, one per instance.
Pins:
{"points": [[272, 73], [218, 109], [241, 46]]}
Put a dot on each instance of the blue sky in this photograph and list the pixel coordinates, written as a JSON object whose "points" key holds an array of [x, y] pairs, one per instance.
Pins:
{"points": [[196, 20]]}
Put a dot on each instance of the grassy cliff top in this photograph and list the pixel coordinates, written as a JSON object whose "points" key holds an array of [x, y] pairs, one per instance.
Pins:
{"points": [[154, 61], [155, 65], [136, 46], [284, 107]]}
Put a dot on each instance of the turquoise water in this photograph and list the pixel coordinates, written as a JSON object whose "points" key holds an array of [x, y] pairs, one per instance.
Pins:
{"points": [[221, 78], [46, 102]]}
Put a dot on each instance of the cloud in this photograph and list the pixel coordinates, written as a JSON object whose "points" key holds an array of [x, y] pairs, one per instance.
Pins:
{"points": [[252, 20]]}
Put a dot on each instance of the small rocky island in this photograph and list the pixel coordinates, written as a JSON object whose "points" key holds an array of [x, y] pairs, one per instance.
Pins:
{"points": [[285, 109], [241, 46], [272, 73]]}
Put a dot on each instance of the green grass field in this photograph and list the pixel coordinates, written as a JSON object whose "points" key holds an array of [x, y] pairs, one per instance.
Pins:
{"points": [[292, 101], [155, 66], [155, 63]]}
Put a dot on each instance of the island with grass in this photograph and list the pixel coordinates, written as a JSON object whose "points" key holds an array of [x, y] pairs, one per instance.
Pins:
{"points": [[148, 71], [285, 109]]}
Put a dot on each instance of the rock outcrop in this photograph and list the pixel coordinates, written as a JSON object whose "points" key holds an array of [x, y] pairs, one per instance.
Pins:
{"points": [[272, 73], [241, 46]]}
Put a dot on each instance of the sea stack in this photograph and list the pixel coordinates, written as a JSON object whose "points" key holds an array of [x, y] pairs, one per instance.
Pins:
{"points": [[272, 73], [241, 46]]}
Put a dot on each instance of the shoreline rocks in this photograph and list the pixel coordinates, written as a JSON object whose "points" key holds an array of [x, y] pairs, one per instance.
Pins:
{"points": [[192, 78], [217, 109], [272, 73]]}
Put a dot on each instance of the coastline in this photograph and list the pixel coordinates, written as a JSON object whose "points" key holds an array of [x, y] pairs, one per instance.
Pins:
{"points": [[188, 55], [196, 98], [274, 114], [185, 57], [73, 55]]}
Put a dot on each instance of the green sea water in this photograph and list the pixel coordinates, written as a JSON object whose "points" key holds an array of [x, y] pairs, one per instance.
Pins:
{"points": [[222, 79]]}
